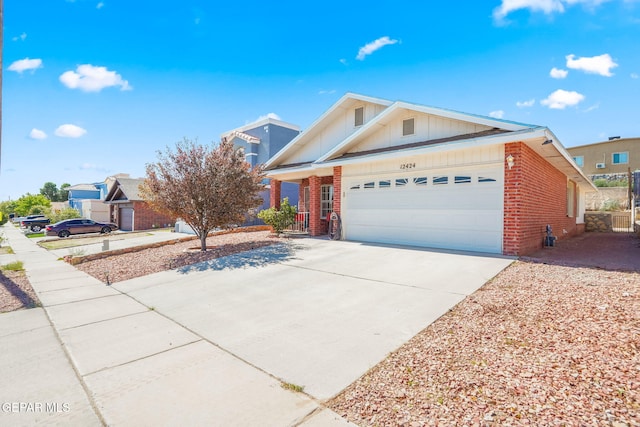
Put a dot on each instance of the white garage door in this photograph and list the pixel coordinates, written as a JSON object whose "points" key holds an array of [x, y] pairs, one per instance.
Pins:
{"points": [[453, 209]]}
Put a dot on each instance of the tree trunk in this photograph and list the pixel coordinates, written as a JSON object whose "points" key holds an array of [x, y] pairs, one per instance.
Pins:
{"points": [[203, 242]]}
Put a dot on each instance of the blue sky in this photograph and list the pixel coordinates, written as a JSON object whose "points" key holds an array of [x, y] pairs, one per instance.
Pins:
{"points": [[92, 88]]}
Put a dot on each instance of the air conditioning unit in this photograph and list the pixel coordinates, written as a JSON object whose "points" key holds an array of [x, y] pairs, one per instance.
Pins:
{"points": [[600, 165]]}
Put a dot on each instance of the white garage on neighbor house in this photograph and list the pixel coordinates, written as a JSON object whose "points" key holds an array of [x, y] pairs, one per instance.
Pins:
{"points": [[408, 174]]}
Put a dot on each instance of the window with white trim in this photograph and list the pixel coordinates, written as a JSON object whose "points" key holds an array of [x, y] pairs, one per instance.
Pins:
{"points": [[620, 158], [408, 127], [358, 117], [326, 201], [440, 180], [420, 180]]}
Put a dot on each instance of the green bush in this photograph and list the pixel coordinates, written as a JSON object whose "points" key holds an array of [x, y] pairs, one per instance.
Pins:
{"points": [[612, 205], [281, 218], [613, 183], [62, 214]]}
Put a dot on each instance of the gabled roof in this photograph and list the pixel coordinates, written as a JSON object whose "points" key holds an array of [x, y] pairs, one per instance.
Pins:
{"points": [[125, 189], [348, 100], [496, 131]]}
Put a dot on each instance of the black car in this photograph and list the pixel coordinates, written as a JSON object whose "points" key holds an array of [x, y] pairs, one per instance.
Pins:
{"points": [[79, 226]]}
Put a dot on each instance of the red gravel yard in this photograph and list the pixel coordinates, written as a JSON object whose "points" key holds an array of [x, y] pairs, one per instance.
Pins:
{"points": [[541, 344], [152, 260]]}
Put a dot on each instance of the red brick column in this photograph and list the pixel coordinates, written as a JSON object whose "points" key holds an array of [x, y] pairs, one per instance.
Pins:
{"points": [[274, 193], [513, 203], [316, 227], [337, 189]]}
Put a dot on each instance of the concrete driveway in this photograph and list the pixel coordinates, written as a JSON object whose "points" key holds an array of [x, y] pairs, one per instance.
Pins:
{"points": [[315, 313], [211, 344]]}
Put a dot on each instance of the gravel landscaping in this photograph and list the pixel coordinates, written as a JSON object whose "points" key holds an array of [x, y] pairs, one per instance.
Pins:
{"points": [[541, 344], [16, 292], [152, 260]]}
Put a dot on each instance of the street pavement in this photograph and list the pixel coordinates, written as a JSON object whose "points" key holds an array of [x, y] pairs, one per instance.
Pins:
{"points": [[214, 343]]}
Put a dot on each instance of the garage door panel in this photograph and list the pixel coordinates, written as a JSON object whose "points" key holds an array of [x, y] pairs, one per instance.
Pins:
{"points": [[464, 215]]}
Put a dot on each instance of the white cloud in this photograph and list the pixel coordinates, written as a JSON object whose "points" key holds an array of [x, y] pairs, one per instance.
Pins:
{"points": [[557, 73], [524, 104], [269, 116], [326, 92], [498, 114], [22, 37], [100, 5], [37, 134], [560, 99], [601, 64], [89, 78], [371, 47], [547, 7], [25, 64], [69, 131], [634, 75], [343, 61]]}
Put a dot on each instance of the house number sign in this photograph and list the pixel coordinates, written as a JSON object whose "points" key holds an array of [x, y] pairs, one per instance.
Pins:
{"points": [[407, 165]]}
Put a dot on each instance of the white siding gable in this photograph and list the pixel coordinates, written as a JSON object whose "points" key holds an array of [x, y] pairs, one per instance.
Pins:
{"points": [[427, 127], [326, 137]]}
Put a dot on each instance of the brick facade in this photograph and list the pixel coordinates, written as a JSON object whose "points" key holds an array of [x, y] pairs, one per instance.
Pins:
{"points": [[145, 218], [275, 192], [535, 194]]}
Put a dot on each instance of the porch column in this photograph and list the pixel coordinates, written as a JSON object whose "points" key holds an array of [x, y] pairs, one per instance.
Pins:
{"points": [[337, 189], [275, 193], [315, 222]]}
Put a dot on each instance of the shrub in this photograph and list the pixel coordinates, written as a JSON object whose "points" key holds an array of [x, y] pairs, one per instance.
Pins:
{"points": [[613, 183], [62, 214], [612, 205], [281, 218]]}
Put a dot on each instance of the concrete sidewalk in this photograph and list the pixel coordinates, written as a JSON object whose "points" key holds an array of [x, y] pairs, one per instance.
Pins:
{"points": [[72, 362]]}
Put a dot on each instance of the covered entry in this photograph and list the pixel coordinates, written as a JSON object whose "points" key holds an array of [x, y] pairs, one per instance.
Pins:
{"points": [[453, 208]]}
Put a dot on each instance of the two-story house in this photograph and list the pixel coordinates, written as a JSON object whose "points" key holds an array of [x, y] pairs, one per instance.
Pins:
{"points": [[261, 140], [615, 156]]}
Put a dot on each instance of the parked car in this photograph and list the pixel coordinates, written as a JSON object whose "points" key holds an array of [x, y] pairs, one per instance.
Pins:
{"points": [[79, 226], [35, 222]]}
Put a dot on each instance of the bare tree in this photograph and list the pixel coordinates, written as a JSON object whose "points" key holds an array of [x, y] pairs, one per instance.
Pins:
{"points": [[205, 186]]}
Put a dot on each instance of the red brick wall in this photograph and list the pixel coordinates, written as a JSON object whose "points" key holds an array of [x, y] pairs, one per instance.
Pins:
{"points": [[337, 189], [275, 193], [535, 194], [146, 218], [315, 222]]}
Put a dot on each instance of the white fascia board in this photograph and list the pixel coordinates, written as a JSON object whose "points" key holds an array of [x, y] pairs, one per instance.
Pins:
{"points": [[363, 129], [445, 146], [296, 141], [569, 158], [467, 117]]}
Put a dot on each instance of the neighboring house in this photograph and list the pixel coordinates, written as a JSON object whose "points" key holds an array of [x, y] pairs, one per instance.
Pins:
{"points": [[611, 157], [260, 140], [127, 209], [401, 173], [88, 199]]}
